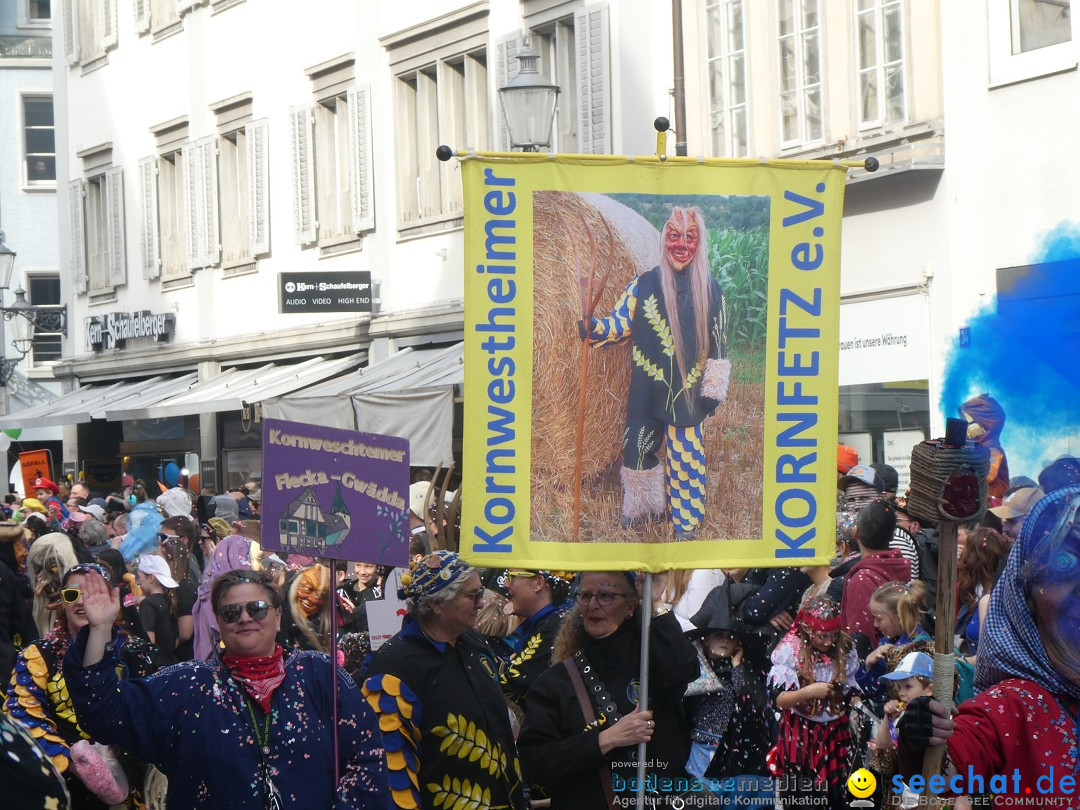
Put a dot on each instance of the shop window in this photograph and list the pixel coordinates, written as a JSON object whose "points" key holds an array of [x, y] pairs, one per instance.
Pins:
{"points": [[799, 37], [96, 220], [883, 421], [726, 34], [39, 142], [1031, 38], [879, 44], [44, 291]]}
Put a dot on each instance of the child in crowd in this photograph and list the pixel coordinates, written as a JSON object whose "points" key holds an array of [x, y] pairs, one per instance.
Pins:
{"points": [[732, 722], [813, 679], [897, 608], [913, 677]]}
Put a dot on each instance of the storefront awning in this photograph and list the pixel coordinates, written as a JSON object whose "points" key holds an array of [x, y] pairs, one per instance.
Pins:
{"points": [[410, 394], [164, 396], [90, 401], [233, 388]]}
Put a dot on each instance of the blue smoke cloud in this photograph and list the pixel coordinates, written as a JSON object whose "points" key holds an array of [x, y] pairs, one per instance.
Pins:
{"points": [[1024, 350]]}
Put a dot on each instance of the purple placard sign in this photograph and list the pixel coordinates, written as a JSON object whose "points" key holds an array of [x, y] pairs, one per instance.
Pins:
{"points": [[335, 493]]}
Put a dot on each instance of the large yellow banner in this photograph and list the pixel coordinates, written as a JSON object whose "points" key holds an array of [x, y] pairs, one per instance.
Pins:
{"points": [[650, 362]]}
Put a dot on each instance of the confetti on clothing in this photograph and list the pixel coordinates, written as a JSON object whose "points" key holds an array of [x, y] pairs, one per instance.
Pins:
{"points": [[192, 722], [1019, 725]]}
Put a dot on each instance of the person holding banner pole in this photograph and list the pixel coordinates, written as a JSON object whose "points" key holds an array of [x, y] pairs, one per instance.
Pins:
{"points": [[674, 316], [584, 720]]}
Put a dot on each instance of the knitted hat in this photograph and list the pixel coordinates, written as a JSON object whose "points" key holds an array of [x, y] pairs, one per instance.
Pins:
{"points": [[431, 574]]}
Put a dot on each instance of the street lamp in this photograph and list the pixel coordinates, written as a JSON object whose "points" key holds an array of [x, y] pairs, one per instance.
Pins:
{"points": [[528, 104], [7, 264]]}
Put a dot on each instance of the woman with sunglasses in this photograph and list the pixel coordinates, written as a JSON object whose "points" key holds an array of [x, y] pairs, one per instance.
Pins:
{"points": [[251, 730], [434, 685], [582, 722], [38, 695]]}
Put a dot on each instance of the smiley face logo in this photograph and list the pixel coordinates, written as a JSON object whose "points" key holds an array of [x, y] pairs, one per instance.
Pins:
{"points": [[862, 783]]}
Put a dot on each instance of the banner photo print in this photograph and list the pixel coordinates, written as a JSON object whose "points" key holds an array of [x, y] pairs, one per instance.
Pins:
{"points": [[650, 362]]}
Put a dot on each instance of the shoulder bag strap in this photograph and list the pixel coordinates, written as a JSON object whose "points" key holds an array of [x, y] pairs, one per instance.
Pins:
{"points": [[590, 717]]}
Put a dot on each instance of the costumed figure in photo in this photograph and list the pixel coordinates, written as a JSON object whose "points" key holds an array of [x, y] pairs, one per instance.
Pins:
{"points": [[674, 317], [306, 616], [813, 678], [445, 724], [986, 419], [38, 698]]}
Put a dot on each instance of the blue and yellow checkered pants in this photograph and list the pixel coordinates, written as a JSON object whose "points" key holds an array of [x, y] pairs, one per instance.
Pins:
{"points": [[684, 466]]}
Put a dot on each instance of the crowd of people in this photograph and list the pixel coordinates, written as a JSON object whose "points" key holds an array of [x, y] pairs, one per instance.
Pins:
{"points": [[166, 660]]}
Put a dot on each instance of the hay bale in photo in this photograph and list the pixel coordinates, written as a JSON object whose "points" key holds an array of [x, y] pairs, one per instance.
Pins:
{"points": [[557, 351]]}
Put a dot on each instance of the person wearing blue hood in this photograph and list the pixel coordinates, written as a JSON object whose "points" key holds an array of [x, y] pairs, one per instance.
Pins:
{"points": [[1024, 716]]}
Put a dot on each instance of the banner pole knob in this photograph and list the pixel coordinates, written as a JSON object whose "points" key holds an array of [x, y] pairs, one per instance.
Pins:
{"points": [[661, 125], [872, 164], [444, 153]]}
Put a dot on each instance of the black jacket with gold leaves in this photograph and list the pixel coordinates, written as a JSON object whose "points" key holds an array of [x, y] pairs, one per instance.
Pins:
{"points": [[533, 642], [445, 723]]}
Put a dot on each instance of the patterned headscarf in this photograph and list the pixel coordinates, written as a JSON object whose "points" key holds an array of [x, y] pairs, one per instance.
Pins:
{"points": [[819, 614], [85, 568], [1010, 645], [431, 574]]}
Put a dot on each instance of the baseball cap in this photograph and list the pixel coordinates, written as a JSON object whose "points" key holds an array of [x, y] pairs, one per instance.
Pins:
{"points": [[95, 510], [846, 458], [864, 475], [1018, 503], [913, 665], [157, 567]]}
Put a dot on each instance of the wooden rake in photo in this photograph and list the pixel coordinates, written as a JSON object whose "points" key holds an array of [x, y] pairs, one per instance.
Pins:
{"points": [[592, 279]]}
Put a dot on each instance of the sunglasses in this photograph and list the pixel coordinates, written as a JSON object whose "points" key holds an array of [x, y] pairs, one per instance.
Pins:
{"points": [[603, 598], [257, 610], [71, 595]]}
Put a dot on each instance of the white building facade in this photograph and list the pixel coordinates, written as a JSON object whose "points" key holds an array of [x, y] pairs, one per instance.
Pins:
{"points": [[28, 211]]}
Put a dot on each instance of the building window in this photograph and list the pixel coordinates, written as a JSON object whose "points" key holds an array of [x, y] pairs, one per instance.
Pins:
{"points": [[171, 218], [333, 198], [1039, 24], [879, 42], [242, 168], [39, 142], [574, 54], [35, 13], [97, 258], [162, 15], [88, 29], [800, 72], [44, 291], [97, 241], [444, 102], [726, 34], [1031, 38], [440, 95]]}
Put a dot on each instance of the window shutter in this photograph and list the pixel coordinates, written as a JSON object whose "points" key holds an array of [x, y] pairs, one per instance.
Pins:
{"points": [[114, 223], [148, 192], [208, 201], [69, 11], [360, 157], [258, 134], [300, 119], [594, 96], [506, 68], [142, 16], [109, 36], [185, 5], [76, 222], [189, 156]]}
